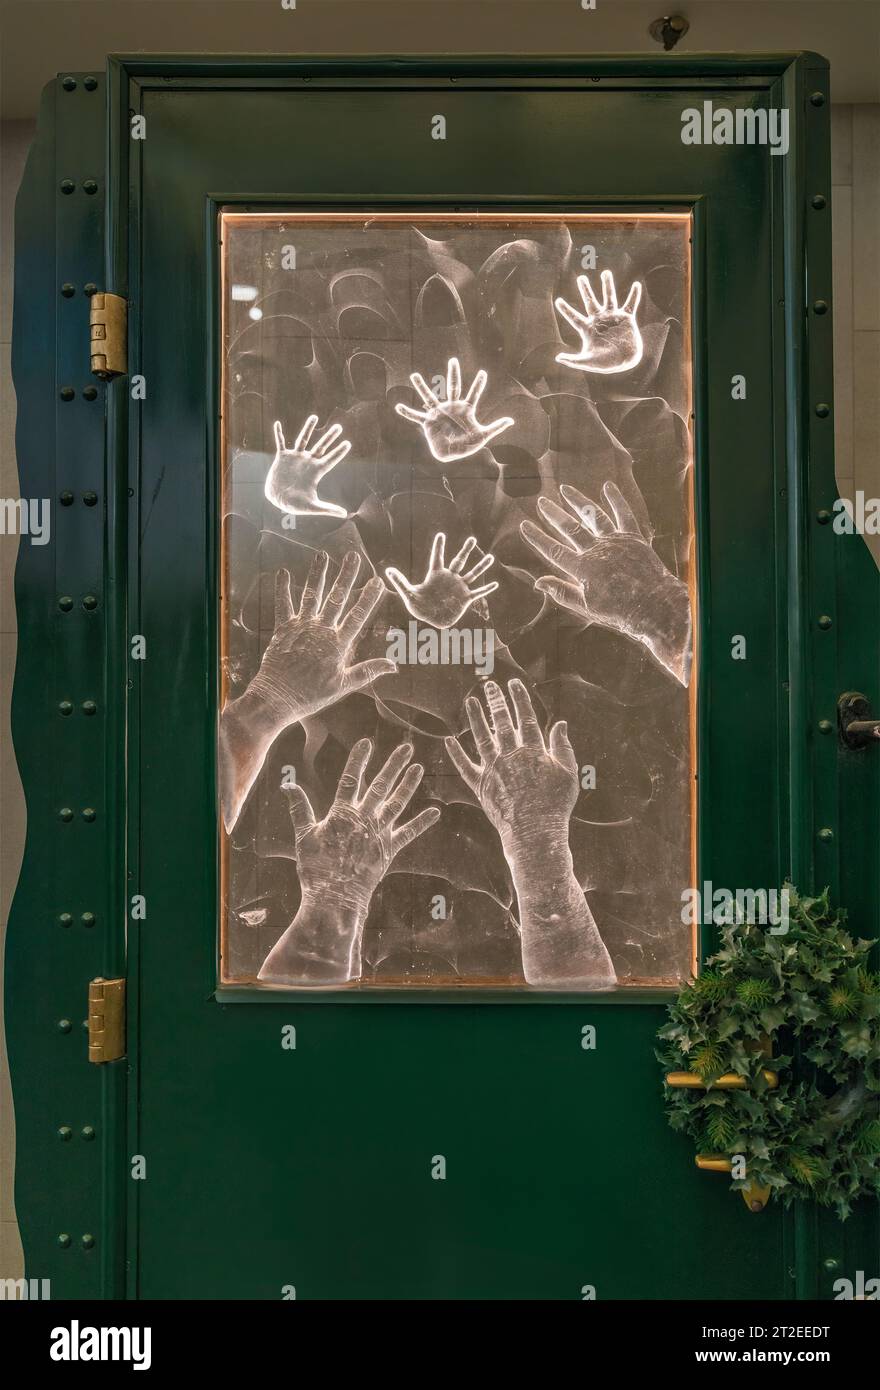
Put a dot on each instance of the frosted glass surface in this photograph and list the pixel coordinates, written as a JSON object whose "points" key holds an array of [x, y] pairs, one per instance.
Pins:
{"points": [[544, 423]]}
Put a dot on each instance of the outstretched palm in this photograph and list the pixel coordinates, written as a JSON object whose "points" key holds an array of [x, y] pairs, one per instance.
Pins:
{"points": [[610, 337], [450, 426], [292, 481], [444, 595]]}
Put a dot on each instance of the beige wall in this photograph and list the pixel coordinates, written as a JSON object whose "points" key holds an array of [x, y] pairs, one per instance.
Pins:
{"points": [[856, 212]]}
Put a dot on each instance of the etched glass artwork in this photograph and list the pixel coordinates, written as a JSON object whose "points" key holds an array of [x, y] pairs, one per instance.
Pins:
{"points": [[456, 629]]}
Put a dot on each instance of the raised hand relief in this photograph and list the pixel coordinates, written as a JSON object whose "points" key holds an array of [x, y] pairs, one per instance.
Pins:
{"points": [[450, 426], [444, 595], [528, 785], [305, 667], [341, 861], [610, 337], [614, 577], [293, 478]]}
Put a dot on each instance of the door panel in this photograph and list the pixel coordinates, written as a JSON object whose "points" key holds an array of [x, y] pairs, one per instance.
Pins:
{"points": [[560, 1172]]}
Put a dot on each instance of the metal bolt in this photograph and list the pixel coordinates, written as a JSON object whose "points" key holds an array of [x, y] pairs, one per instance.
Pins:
{"points": [[65, 1133], [67, 393], [66, 499], [65, 707], [826, 835], [820, 307], [90, 83], [64, 1025], [823, 410], [90, 186], [65, 919], [88, 1133], [69, 84], [818, 202], [825, 726], [831, 1264], [825, 622], [65, 814], [67, 186], [88, 1242], [68, 290], [88, 813], [65, 603], [823, 516], [817, 99], [90, 498], [64, 1241], [90, 289], [90, 602], [90, 393], [88, 919], [89, 707]]}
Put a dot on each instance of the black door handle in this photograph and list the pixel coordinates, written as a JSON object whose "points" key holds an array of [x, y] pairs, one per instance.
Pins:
{"points": [[857, 728]]}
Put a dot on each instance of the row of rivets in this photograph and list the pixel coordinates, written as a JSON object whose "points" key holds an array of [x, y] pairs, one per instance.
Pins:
{"points": [[67, 499], [87, 1241], [65, 603], [68, 186], [68, 393], [88, 813], [69, 83], [65, 1133], [88, 707], [65, 919], [68, 290]]}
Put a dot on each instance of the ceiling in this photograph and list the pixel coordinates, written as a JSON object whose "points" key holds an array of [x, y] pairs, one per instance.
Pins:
{"points": [[40, 38]]}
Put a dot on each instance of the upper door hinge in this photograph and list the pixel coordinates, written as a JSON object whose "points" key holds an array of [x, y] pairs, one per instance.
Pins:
{"points": [[108, 330], [106, 1020]]}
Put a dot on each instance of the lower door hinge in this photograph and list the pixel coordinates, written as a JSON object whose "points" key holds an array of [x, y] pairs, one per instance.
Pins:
{"points": [[106, 1020], [108, 332]]}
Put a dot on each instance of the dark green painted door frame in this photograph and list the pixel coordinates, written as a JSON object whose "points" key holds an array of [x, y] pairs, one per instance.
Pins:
{"points": [[267, 1168]]}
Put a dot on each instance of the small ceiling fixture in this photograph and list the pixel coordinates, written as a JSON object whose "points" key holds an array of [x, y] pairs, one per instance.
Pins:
{"points": [[668, 29]]}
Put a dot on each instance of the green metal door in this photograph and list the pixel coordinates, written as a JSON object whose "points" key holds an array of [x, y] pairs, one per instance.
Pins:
{"points": [[292, 1138]]}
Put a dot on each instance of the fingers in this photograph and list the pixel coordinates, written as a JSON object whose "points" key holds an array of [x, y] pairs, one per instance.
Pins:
{"points": [[283, 601], [550, 549], [342, 587], [402, 795], [313, 589], [568, 526], [624, 515], [438, 553], [528, 727], [573, 316], [468, 770], [457, 563], [328, 461], [416, 416], [505, 734], [405, 834], [453, 379], [429, 399], [301, 812], [609, 292], [597, 522], [483, 736], [365, 672], [591, 303], [305, 433], [279, 437], [479, 568], [478, 386], [565, 593], [400, 583], [633, 298], [484, 589], [326, 439], [351, 781], [318, 507], [497, 427], [560, 746], [385, 778], [357, 616]]}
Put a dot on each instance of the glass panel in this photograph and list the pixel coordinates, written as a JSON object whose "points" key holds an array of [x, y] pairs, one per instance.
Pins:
{"points": [[456, 740]]}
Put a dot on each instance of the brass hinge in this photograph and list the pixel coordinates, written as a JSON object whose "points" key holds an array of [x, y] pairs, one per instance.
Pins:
{"points": [[106, 1020], [108, 330]]}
